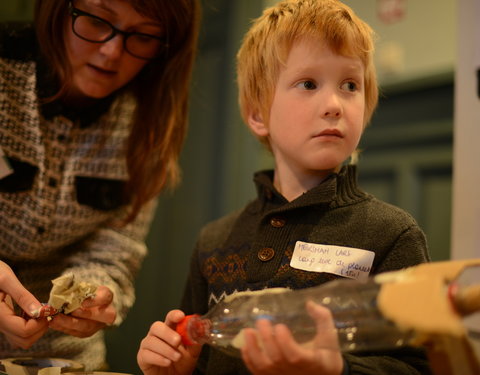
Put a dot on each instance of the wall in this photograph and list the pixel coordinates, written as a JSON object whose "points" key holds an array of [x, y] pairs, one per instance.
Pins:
{"points": [[466, 208], [407, 157], [16, 10], [420, 44]]}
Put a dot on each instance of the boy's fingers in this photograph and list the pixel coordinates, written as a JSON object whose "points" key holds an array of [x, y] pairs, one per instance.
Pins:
{"points": [[325, 324], [174, 317]]}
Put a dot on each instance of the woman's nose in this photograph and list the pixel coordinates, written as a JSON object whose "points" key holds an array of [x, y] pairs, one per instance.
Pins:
{"points": [[113, 48]]}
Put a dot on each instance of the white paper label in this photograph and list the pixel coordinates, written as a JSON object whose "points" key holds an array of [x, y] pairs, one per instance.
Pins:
{"points": [[339, 260], [5, 168]]}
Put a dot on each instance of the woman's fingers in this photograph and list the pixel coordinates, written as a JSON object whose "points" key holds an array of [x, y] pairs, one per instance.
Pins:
{"points": [[74, 326], [10, 285]]}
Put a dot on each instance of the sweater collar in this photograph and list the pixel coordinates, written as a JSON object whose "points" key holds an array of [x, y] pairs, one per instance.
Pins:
{"points": [[338, 189]]}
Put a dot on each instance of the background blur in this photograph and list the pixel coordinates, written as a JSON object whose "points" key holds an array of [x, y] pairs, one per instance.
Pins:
{"points": [[407, 149]]}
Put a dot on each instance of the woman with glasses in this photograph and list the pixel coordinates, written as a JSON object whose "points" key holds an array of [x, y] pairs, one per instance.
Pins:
{"points": [[93, 113]]}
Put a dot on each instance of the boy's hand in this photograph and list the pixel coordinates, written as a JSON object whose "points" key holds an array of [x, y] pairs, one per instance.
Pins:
{"points": [[161, 351], [281, 354], [94, 314]]}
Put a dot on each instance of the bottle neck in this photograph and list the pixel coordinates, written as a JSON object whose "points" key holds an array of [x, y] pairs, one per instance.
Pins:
{"points": [[199, 329], [194, 330]]}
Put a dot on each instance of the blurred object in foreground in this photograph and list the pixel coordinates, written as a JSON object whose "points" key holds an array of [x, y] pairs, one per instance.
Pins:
{"points": [[433, 305]]}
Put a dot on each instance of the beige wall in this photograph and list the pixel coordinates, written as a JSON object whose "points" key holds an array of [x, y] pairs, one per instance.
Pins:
{"points": [[466, 197], [421, 45]]}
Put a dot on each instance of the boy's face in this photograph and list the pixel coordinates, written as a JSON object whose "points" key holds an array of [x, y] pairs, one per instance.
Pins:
{"points": [[316, 117]]}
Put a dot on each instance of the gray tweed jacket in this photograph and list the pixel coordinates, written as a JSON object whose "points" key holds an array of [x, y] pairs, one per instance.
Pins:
{"points": [[57, 207]]}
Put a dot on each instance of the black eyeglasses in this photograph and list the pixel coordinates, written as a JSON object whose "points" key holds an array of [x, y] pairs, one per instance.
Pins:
{"points": [[97, 30]]}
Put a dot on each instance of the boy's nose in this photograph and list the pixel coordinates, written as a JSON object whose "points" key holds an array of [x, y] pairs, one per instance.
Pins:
{"points": [[332, 113], [332, 107]]}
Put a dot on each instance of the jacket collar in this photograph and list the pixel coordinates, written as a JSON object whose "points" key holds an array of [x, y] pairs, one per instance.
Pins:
{"points": [[337, 189]]}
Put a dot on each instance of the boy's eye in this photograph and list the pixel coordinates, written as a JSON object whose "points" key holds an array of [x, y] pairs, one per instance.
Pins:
{"points": [[307, 85], [349, 86]]}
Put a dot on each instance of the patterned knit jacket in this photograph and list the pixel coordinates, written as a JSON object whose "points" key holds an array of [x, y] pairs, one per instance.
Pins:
{"points": [[56, 208], [252, 249]]}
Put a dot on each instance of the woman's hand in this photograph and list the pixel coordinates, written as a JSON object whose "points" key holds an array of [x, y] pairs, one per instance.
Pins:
{"points": [[279, 353], [18, 331], [161, 351], [94, 314]]}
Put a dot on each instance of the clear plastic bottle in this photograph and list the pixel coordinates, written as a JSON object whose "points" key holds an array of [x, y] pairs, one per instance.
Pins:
{"points": [[358, 322]]}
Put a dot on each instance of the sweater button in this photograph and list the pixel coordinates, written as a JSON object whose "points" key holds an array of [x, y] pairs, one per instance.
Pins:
{"points": [[277, 222], [52, 182], [268, 194], [266, 254]]}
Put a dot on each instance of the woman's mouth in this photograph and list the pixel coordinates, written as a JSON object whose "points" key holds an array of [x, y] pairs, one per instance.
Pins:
{"points": [[101, 71]]}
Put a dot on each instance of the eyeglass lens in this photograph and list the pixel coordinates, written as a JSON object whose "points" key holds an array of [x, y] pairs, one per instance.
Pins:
{"points": [[96, 30]]}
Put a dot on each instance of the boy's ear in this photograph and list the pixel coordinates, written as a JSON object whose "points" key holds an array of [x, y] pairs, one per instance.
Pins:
{"points": [[255, 122]]}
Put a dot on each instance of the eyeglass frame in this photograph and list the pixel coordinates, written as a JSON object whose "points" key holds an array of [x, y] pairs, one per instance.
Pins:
{"points": [[75, 13]]}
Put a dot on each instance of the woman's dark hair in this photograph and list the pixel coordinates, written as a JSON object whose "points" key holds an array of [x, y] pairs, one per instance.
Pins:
{"points": [[161, 90]]}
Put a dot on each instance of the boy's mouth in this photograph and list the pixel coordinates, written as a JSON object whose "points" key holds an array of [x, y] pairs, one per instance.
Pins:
{"points": [[330, 133]]}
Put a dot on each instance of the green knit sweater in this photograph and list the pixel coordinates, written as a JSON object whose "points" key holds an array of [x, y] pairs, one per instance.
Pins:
{"points": [[251, 249]]}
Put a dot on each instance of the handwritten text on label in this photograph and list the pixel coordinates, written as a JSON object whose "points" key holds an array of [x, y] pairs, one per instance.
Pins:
{"points": [[339, 260]]}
